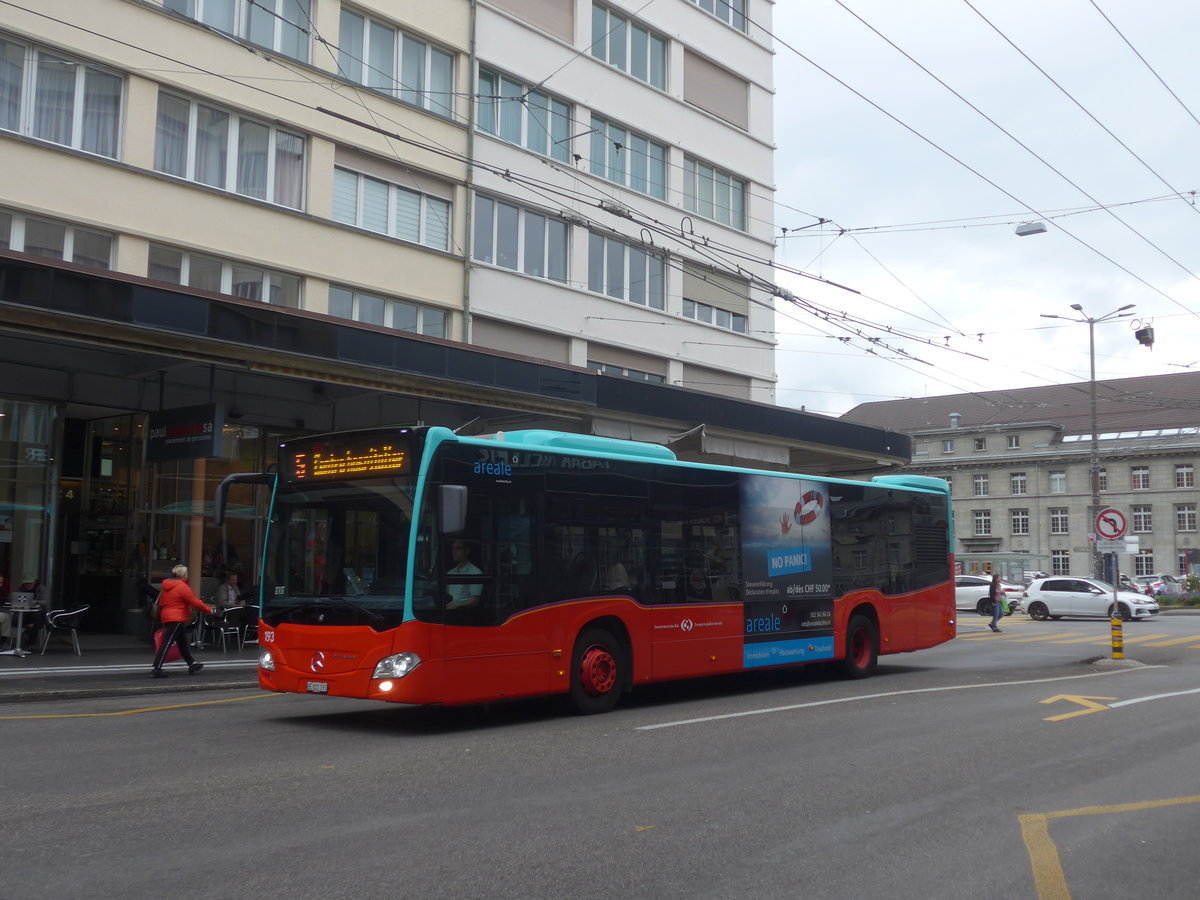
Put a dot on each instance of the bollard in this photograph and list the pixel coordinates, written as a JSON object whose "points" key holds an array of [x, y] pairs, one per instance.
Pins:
{"points": [[1118, 637]]}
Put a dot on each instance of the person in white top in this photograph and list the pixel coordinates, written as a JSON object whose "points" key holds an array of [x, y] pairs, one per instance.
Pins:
{"points": [[463, 594]]}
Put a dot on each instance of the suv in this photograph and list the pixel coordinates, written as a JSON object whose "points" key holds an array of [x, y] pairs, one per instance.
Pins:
{"points": [[1067, 595]]}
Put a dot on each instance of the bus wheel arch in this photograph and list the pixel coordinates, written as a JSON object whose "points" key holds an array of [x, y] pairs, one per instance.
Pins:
{"points": [[862, 644], [601, 666]]}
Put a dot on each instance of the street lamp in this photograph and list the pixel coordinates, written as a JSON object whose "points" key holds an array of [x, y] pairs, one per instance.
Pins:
{"points": [[1092, 321]]}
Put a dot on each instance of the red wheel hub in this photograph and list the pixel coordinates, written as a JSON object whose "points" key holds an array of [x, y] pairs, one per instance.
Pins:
{"points": [[597, 670]]}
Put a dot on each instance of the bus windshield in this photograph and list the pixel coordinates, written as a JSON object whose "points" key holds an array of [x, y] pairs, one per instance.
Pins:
{"points": [[340, 550]]}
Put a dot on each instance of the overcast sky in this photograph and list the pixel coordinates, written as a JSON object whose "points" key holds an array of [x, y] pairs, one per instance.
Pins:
{"points": [[930, 244]]}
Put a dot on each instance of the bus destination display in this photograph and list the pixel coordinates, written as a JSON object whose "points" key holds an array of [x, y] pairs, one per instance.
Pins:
{"points": [[329, 461]]}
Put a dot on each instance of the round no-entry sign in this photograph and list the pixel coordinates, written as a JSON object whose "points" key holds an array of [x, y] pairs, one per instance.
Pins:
{"points": [[1110, 523]]}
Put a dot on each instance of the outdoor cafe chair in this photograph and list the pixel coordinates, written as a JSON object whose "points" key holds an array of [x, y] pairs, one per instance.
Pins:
{"points": [[62, 620]]}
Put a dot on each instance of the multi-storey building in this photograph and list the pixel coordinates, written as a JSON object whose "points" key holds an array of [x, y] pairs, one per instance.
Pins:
{"points": [[1019, 465], [267, 217]]}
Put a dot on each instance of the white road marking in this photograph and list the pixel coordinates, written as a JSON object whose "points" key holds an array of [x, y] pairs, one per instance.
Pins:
{"points": [[935, 690]]}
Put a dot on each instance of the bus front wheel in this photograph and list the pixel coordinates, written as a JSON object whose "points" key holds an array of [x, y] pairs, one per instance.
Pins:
{"points": [[862, 648], [598, 671]]}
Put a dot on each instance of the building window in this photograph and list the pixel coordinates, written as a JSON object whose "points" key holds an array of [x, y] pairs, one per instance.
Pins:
{"points": [[53, 239], [1181, 563], [1058, 482], [714, 315], [228, 151], [625, 272], [1018, 483], [979, 485], [1143, 563], [1143, 520], [947, 446], [520, 239], [223, 276], [59, 99], [1060, 562], [1139, 478], [1185, 476], [390, 209], [1020, 521], [980, 444], [625, 372], [521, 115], [628, 158], [281, 25], [385, 312], [1185, 517], [380, 56], [1059, 520], [628, 46], [983, 522], [731, 12], [1014, 442], [714, 194]]}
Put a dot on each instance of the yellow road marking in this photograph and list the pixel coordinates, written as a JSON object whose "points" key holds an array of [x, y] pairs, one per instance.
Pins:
{"points": [[1086, 640], [1147, 637], [1175, 642], [1048, 875], [1046, 637], [1087, 702], [145, 709]]}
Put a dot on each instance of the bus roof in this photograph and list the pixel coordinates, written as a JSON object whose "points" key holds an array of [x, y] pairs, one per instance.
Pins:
{"points": [[588, 443]]}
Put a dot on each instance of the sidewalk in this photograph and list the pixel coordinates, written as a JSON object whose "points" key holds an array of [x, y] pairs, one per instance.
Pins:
{"points": [[114, 665]]}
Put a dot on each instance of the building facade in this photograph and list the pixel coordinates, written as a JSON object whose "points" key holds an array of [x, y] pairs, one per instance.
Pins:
{"points": [[270, 218], [1019, 465]]}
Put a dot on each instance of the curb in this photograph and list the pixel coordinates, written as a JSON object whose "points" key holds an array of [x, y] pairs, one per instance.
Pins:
{"points": [[40, 694]]}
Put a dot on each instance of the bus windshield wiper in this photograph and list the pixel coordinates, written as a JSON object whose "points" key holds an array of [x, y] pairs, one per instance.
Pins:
{"points": [[369, 613]]}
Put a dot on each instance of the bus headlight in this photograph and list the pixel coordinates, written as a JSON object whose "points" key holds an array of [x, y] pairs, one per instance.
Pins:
{"points": [[397, 665], [266, 662]]}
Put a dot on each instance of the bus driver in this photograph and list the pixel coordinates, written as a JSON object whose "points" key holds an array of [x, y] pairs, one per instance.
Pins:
{"points": [[463, 594]]}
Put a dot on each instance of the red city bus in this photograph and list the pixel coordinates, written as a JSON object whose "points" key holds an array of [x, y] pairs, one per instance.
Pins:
{"points": [[414, 565]]}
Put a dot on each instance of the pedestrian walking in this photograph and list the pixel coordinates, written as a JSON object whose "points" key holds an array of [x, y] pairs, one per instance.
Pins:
{"points": [[174, 613], [996, 593]]}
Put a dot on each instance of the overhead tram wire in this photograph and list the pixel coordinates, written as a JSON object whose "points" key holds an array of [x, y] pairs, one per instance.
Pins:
{"points": [[1025, 146], [830, 317], [1151, 68], [1082, 108], [990, 221], [978, 174]]}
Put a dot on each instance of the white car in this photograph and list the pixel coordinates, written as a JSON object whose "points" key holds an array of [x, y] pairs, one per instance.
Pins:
{"points": [[971, 592], [1068, 595]]}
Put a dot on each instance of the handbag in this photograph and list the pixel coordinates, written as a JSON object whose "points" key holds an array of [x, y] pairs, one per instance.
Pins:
{"points": [[152, 610], [172, 653]]}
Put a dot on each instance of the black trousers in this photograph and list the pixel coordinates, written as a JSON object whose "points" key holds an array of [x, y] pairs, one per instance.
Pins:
{"points": [[174, 633]]}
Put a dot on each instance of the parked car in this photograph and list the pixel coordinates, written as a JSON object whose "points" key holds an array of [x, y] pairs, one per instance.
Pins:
{"points": [[971, 592], [1159, 584], [1066, 595]]}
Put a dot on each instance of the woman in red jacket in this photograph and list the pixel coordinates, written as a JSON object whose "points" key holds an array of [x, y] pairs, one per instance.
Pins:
{"points": [[173, 611]]}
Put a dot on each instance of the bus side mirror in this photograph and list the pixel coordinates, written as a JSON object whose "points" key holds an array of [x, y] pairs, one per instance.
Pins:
{"points": [[453, 501], [221, 498]]}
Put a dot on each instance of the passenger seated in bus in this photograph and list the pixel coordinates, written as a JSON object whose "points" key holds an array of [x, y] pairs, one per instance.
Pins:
{"points": [[461, 595], [616, 579]]}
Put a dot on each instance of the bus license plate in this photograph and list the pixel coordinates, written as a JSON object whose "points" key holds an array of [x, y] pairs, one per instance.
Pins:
{"points": [[318, 687]]}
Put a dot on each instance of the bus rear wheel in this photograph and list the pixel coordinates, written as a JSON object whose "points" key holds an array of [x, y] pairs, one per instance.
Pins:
{"points": [[862, 648], [598, 671]]}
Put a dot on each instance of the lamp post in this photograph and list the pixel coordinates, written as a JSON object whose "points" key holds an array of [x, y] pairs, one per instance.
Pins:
{"points": [[1092, 321]]}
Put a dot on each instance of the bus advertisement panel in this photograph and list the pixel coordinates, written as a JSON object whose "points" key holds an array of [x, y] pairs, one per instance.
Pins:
{"points": [[787, 560], [418, 566]]}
